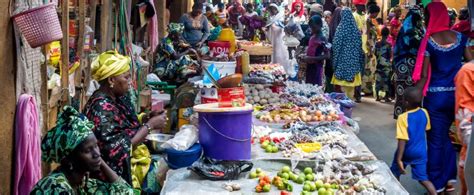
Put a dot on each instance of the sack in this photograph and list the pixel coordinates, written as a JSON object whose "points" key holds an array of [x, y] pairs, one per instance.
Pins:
{"points": [[184, 139], [220, 170]]}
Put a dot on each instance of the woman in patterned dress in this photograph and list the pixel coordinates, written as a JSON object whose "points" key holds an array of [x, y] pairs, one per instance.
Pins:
{"points": [[73, 144], [347, 54], [404, 55], [109, 108]]}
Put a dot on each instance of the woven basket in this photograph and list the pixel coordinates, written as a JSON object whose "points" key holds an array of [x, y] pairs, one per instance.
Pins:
{"points": [[39, 25]]}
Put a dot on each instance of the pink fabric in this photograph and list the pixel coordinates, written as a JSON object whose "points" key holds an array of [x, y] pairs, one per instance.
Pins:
{"points": [[439, 21], [27, 146], [153, 30]]}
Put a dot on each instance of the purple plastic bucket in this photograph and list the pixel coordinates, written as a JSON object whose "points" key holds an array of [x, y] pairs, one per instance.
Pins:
{"points": [[225, 133]]}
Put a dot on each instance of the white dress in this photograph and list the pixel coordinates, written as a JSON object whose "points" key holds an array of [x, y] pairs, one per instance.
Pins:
{"points": [[280, 51]]}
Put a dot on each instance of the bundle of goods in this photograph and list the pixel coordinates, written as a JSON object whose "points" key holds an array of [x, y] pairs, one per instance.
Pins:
{"points": [[261, 95], [331, 135], [303, 89], [266, 74]]}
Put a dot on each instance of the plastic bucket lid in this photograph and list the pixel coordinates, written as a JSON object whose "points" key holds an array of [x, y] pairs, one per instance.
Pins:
{"points": [[214, 107]]}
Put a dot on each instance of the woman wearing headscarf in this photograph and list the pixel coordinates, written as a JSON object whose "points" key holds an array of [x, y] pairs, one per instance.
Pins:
{"points": [[196, 26], [275, 33], [335, 20], [110, 109], [404, 55], [174, 62], [347, 54], [464, 26], [73, 145], [440, 57], [297, 12], [317, 9]]}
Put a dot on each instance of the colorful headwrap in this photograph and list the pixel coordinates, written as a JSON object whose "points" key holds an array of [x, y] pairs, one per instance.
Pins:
{"points": [[109, 64], [359, 2], [72, 128], [175, 27]]}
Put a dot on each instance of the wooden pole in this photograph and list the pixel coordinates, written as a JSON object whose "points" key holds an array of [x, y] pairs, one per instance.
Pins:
{"points": [[105, 25], [80, 52], [160, 6], [65, 54]]}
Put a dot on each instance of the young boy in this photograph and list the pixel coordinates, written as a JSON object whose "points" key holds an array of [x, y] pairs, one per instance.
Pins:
{"points": [[411, 135], [316, 53], [383, 72]]}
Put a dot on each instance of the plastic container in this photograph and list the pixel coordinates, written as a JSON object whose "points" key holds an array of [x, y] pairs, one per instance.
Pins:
{"points": [[39, 25], [225, 133], [231, 97], [218, 47], [344, 102], [227, 34], [224, 68], [179, 159]]}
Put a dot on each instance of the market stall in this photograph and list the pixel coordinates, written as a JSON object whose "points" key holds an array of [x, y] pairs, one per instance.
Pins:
{"points": [[301, 141]]}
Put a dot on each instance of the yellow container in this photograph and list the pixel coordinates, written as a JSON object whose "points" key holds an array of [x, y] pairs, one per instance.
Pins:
{"points": [[309, 147], [184, 116], [227, 34]]}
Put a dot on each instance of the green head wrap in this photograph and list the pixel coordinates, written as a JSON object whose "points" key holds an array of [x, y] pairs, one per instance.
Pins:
{"points": [[71, 129], [175, 27]]}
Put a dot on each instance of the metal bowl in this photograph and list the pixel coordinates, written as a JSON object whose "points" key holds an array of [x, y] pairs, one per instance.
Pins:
{"points": [[155, 140]]}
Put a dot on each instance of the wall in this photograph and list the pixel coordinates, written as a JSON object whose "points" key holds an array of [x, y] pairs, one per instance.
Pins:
{"points": [[7, 97], [457, 4]]}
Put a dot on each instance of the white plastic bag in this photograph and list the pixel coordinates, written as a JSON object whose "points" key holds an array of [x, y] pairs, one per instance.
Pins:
{"points": [[292, 68], [184, 139]]}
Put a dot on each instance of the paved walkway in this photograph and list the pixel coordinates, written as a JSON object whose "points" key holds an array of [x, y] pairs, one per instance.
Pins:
{"points": [[377, 131]]}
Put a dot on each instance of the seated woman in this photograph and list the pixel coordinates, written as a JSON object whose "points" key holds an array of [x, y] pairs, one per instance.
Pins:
{"points": [[73, 144], [196, 27], [109, 108], [174, 61]]}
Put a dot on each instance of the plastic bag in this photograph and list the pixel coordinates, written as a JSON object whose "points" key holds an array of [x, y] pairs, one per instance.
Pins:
{"points": [[184, 139], [220, 170], [292, 72]]}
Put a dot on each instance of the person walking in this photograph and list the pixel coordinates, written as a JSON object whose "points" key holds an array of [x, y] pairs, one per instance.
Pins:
{"points": [[404, 55], [440, 57]]}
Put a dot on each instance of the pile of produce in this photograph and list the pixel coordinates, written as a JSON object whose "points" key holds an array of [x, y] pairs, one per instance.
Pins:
{"points": [[253, 43], [289, 112], [350, 176], [260, 95], [331, 135], [303, 89], [337, 176], [266, 74]]}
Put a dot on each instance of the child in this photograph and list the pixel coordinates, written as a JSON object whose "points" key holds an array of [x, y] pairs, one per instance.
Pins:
{"points": [[221, 14], [316, 53], [411, 135], [383, 73]]}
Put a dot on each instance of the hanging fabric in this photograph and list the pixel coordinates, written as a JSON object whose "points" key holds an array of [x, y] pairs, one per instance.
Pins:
{"points": [[27, 145]]}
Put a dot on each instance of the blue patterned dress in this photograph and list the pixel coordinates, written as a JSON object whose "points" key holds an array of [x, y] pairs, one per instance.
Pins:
{"points": [[439, 101]]}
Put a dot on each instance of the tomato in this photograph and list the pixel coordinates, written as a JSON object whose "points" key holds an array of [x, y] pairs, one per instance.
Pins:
{"points": [[284, 193]]}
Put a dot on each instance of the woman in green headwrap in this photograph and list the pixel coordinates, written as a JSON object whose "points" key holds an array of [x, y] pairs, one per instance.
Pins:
{"points": [[174, 62], [73, 144], [116, 124]]}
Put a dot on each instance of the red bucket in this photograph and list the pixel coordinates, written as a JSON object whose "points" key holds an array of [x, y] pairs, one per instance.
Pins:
{"points": [[231, 97], [217, 47]]}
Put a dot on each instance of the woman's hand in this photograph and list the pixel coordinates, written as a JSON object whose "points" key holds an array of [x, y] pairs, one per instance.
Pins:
{"points": [[158, 121]]}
